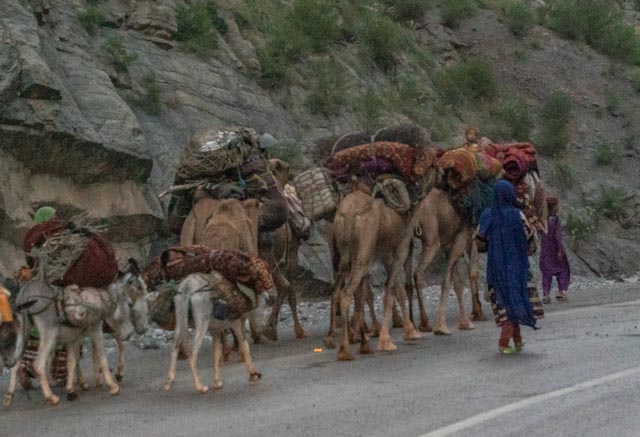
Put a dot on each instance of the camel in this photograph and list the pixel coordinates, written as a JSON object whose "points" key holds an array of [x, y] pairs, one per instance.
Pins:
{"points": [[439, 226], [364, 229], [282, 257]]}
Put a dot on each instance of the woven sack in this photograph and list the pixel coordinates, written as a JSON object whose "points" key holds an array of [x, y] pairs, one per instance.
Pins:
{"points": [[162, 309], [211, 153], [395, 194], [317, 193]]}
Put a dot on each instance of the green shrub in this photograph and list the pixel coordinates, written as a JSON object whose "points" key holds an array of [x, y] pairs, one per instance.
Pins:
{"points": [[612, 201], [613, 100], [597, 22], [635, 78], [369, 109], [327, 96], [441, 126], [580, 224], [518, 16], [383, 38], [289, 151], [150, 101], [196, 29], [553, 137], [455, 11], [408, 9], [305, 28], [218, 22], [91, 19], [517, 119], [118, 55], [564, 174], [471, 79], [605, 154]]}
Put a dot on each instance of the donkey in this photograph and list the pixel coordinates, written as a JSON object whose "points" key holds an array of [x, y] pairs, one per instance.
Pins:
{"points": [[39, 304], [195, 293]]}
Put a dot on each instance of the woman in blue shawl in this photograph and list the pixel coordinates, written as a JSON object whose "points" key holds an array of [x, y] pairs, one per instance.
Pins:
{"points": [[503, 226]]}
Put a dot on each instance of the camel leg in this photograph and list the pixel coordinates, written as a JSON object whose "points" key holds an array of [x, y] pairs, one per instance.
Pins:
{"points": [[358, 321], [396, 319], [120, 368], [218, 340], [384, 342], [73, 351], [254, 375], [375, 325], [473, 274], [97, 341], [408, 275], [463, 320], [426, 257], [329, 340], [271, 332], [410, 332], [201, 321], [345, 302], [441, 322], [293, 304], [41, 364]]}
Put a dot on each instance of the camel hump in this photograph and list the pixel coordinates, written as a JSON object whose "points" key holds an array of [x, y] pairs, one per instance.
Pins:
{"points": [[356, 203], [230, 206]]}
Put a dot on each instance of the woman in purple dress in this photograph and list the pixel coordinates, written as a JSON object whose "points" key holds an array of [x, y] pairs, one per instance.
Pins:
{"points": [[553, 257]]}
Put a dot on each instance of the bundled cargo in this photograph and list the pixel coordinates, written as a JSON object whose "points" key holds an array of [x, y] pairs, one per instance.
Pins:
{"points": [[459, 166], [521, 157], [488, 166], [410, 134], [74, 253], [233, 277], [210, 153], [317, 192]]}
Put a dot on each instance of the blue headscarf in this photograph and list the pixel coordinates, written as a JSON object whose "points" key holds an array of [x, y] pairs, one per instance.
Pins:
{"points": [[508, 262]]}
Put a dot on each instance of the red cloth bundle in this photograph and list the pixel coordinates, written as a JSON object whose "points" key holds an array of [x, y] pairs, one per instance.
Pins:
{"points": [[526, 151], [97, 267], [249, 270], [401, 156]]}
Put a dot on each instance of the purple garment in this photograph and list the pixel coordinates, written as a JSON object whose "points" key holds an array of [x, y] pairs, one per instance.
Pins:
{"points": [[550, 245], [371, 168]]}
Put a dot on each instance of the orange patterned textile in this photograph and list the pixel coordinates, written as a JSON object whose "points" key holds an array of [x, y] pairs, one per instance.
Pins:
{"points": [[461, 166]]}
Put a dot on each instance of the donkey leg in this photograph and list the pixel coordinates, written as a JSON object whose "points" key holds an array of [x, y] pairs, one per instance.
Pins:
{"points": [[8, 397], [73, 350], [218, 339], [48, 336], [180, 338], [254, 375], [120, 368], [97, 338], [201, 319]]}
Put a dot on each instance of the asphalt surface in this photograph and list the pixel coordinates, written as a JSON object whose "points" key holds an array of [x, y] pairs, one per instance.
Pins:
{"points": [[578, 376]]}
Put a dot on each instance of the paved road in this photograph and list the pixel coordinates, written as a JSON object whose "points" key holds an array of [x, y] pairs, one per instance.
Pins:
{"points": [[579, 375]]}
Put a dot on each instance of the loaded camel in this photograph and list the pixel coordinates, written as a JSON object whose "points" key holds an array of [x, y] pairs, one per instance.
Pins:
{"points": [[365, 229]]}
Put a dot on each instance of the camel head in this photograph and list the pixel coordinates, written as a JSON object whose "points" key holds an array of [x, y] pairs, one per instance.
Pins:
{"points": [[280, 171]]}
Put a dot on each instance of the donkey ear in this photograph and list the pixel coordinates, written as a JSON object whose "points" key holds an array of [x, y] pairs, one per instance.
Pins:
{"points": [[134, 268], [26, 305]]}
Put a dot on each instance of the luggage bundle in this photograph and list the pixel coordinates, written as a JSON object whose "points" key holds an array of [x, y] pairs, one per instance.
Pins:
{"points": [[226, 164], [74, 253], [234, 277], [389, 163]]}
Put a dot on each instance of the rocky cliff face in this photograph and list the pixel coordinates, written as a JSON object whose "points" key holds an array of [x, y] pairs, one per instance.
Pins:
{"points": [[75, 130]]}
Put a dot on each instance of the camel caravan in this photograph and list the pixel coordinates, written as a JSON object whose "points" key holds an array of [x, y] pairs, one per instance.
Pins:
{"points": [[240, 218]]}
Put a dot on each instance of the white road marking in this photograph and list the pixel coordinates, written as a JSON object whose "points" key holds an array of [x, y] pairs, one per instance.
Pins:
{"points": [[492, 414]]}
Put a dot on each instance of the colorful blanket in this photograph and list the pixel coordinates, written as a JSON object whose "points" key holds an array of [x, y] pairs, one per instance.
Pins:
{"points": [[401, 156], [460, 167]]}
